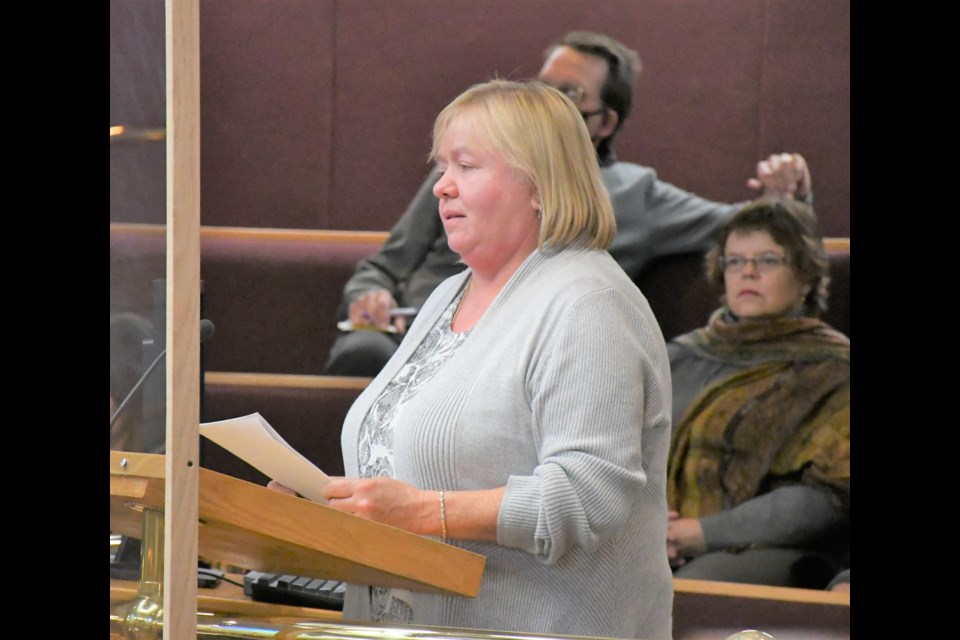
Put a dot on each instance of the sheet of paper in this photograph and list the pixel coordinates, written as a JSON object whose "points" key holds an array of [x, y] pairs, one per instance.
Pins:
{"points": [[252, 439]]}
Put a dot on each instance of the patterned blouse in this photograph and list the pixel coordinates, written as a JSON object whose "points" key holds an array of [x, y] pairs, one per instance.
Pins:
{"points": [[376, 434]]}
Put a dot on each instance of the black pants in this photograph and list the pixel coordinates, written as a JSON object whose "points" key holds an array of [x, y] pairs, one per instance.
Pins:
{"points": [[361, 353], [778, 567]]}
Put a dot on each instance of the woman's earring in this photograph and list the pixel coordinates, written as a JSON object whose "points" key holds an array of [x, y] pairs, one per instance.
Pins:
{"points": [[539, 214]]}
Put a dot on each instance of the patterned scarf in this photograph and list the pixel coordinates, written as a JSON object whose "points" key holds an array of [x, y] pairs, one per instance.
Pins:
{"points": [[783, 419]]}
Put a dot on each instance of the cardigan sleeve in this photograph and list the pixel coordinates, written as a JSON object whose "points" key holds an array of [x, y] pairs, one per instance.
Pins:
{"points": [[599, 376]]}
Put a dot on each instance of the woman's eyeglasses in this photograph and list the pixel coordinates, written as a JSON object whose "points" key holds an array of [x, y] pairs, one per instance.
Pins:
{"points": [[765, 263]]}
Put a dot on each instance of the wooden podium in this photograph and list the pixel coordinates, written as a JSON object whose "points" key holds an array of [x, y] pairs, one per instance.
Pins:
{"points": [[249, 526]]}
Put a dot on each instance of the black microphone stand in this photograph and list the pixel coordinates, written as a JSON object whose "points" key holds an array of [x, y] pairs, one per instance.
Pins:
{"points": [[136, 387]]}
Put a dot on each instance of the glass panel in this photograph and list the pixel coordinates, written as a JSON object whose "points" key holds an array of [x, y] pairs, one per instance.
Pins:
{"points": [[137, 225]]}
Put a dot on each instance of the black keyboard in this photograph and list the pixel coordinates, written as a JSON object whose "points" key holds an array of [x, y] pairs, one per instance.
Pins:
{"points": [[301, 591]]}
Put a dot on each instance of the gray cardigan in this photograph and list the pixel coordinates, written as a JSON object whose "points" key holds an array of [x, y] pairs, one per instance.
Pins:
{"points": [[561, 393]]}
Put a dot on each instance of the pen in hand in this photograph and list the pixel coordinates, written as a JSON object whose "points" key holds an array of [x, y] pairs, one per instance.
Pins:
{"points": [[403, 312]]}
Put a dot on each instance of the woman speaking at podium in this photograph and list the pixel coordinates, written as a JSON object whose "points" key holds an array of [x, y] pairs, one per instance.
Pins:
{"points": [[526, 415]]}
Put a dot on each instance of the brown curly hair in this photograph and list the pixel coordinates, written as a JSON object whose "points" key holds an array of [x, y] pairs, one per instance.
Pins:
{"points": [[792, 225]]}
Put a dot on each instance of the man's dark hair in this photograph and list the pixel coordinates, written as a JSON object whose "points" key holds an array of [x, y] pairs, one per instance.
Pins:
{"points": [[623, 67]]}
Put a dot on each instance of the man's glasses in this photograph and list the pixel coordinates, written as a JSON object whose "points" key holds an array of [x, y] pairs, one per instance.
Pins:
{"points": [[764, 264], [576, 95]]}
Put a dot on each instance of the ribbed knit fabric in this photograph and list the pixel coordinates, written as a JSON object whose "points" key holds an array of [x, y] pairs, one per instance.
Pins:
{"points": [[562, 394]]}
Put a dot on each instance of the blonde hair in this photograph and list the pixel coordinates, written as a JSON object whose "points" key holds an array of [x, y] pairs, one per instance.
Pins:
{"points": [[539, 132]]}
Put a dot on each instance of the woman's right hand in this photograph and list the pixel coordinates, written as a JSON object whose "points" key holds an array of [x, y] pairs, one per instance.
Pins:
{"points": [[385, 500]]}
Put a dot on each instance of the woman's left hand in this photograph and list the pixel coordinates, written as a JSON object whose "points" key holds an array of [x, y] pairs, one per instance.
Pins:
{"points": [[684, 539], [385, 500]]}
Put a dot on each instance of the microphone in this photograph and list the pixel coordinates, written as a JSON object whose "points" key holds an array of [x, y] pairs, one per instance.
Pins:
{"points": [[206, 330]]}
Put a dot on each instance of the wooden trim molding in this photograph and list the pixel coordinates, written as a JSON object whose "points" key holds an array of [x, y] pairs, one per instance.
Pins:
{"points": [[760, 592], [326, 235], [837, 245], [254, 234], [285, 380]]}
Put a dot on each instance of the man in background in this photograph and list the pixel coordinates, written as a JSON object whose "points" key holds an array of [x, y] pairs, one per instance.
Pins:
{"points": [[654, 218]]}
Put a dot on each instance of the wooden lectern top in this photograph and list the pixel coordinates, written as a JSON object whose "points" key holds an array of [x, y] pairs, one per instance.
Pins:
{"points": [[246, 525]]}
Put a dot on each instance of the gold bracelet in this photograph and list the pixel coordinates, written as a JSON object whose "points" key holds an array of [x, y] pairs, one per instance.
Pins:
{"points": [[443, 518]]}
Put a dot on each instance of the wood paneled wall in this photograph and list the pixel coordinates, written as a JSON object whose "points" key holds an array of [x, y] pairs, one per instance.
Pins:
{"points": [[316, 114]]}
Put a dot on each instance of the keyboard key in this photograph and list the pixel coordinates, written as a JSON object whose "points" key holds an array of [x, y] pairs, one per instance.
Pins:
{"points": [[314, 585], [284, 581], [300, 583], [327, 587]]}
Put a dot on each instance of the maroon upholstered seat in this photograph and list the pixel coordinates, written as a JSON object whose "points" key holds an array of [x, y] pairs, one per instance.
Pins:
{"points": [[272, 295]]}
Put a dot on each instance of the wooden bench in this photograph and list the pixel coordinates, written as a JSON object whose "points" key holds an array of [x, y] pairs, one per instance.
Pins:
{"points": [[273, 296], [707, 610], [682, 298], [271, 293]]}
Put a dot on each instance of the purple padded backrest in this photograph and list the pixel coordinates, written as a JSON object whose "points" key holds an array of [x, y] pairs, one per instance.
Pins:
{"points": [[272, 297]]}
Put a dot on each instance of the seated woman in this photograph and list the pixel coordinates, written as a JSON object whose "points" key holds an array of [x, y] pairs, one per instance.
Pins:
{"points": [[759, 471]]}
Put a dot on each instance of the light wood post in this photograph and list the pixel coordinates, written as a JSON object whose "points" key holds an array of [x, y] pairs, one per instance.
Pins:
{"points": [[182, 319]]}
